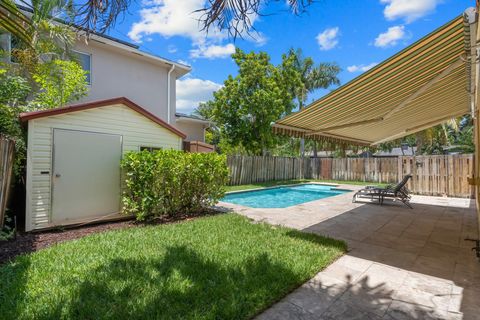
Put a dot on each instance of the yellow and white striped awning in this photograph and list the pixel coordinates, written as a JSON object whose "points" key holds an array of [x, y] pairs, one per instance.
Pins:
{"points": [[423, 85]]}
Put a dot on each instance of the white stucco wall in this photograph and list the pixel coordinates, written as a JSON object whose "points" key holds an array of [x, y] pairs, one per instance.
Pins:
{"points": [[118, 73], [195, 131], [136, 130]]}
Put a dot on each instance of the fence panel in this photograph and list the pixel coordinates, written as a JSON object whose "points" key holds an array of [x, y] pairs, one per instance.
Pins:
{"points": [[7, 148], [443, 175]]}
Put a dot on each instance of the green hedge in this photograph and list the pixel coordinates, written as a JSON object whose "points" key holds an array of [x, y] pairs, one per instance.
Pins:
{"points": [[172, 182]]}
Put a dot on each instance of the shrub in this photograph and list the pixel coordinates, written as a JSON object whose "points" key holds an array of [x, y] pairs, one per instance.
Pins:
{"points": [[169, 182]]}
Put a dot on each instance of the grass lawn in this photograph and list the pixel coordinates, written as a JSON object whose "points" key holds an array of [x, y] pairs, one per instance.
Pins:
{"points": [[217, 267], [284, 182]]}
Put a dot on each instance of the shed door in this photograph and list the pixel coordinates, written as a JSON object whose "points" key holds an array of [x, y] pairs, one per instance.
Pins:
{"points": [[86, 174]]}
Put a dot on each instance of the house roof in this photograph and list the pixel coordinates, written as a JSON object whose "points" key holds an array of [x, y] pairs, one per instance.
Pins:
{"points": [[120, 44], [190, 118], [423, 85], [97, 104], [395, 152], [180, 67]]}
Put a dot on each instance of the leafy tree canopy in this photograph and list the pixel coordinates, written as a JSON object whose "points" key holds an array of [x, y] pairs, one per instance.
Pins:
{"points": [[250, 102]]}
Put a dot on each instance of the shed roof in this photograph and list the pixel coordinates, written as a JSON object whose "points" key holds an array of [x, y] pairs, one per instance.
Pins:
{"points": [[424, 85], [97, 104]]}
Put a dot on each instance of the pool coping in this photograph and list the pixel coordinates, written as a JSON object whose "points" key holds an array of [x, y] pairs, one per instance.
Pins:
{"points": [[334, 185]]}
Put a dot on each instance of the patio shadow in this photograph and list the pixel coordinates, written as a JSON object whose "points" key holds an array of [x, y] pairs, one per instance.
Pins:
{"points": [[407, 264]]}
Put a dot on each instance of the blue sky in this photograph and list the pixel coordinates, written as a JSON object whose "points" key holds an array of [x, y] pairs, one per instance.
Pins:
{"points": [[355, 34]]}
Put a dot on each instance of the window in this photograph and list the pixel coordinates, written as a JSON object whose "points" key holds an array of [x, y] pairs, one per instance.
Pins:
{"points": [[151, 149], [8, 44], [84, 60]]}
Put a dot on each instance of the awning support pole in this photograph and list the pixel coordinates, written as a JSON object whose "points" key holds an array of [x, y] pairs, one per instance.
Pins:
{"points": [[471, 16]]}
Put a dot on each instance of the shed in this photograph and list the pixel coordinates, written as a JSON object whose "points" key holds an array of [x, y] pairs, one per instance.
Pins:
{"points": [[73, 158]]}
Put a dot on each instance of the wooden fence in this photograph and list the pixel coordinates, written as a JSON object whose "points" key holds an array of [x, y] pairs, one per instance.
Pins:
{"points": [[432, 175], [7, 148]]}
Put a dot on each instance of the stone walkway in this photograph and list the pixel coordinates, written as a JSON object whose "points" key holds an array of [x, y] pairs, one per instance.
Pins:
{"points": [[401, 263]]}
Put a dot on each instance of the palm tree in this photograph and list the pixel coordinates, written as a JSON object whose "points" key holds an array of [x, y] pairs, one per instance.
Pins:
{"points": [[14, 21], [88, 15], [313, 77], [237, 16], [46, 40]]}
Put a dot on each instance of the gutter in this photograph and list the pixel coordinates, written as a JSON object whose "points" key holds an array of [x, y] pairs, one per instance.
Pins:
{"points": [[168, 92]]}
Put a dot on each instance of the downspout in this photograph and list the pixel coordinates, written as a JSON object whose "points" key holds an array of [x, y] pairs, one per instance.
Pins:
{"points": [[168, 92]]}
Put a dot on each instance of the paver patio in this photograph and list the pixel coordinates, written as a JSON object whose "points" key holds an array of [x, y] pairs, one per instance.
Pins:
{"points": [[401, 264]]}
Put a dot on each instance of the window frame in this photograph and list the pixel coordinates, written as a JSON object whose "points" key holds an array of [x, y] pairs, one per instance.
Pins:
{"points": [[89, 83], [149, 148]]}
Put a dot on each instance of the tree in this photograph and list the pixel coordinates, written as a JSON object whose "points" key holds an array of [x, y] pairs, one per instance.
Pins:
{"points": [[48, 39], [60, 82], [237, 16], [312, 77], [90, 15], [246, 106], [14, 21], [40, 78]]}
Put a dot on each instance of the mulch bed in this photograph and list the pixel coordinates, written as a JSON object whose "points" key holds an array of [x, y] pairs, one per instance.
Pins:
{"points": [[26, 242]]}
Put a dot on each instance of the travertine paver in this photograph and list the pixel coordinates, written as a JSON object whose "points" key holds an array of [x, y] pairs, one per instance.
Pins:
{"points": [[401, 264]]}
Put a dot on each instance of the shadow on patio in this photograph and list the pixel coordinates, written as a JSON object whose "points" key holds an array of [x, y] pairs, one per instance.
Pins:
{"points": [[401, 264]]}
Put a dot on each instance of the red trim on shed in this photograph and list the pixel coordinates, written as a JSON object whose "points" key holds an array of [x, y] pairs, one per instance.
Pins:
{"points": [[101, 103]]}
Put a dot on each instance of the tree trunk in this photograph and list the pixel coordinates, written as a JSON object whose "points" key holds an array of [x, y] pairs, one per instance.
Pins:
{"points": [[315, 154]]}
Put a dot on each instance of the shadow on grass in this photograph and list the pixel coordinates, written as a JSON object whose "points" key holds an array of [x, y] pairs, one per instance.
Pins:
{"points": [[181, 284], [318, 239]]}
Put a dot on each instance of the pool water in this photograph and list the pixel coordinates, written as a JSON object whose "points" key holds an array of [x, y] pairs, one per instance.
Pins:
{"points": [[282, 197]]}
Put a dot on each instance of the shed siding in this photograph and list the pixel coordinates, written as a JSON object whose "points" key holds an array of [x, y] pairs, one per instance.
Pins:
{"points": [[136, 129]]}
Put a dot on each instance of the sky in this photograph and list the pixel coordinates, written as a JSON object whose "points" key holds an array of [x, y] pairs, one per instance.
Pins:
{"points": [[354, 34]]}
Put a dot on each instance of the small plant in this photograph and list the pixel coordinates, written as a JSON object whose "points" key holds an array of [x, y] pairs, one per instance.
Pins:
{"points": [[171, 182], [8, 231]]}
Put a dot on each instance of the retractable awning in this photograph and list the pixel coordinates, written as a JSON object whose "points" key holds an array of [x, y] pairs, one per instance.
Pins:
{"points": [[424, 85]]}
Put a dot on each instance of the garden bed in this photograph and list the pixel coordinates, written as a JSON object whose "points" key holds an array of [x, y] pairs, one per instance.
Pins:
{"points": [[217, 267]]}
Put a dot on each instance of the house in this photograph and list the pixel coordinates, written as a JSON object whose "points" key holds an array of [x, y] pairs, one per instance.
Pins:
{"points": [[74, 152], [193, 126], [120, 69], [73, 158]]}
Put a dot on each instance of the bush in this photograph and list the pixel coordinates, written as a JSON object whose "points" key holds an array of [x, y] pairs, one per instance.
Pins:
{"points": [[169, 182]]}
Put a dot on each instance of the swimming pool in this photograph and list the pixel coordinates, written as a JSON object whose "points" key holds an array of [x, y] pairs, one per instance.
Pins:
{"points": [[282, 197]]}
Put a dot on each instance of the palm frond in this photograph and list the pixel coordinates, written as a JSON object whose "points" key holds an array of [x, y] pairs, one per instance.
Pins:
{"points": [[237, 16], [14, 21]]}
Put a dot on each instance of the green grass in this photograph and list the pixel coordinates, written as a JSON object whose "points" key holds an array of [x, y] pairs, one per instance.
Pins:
{"points": [[286, 182], [217, 267]]}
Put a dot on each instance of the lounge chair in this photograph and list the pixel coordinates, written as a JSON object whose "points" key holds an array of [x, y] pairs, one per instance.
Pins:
{"points": [[396, 192]]}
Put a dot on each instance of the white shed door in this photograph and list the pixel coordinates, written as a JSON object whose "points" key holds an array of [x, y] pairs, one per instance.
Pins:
{"points": [[86, 174]]}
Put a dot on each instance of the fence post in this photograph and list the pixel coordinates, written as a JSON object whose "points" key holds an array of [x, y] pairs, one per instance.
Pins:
{"points": [[7, 150], [434, 175]]}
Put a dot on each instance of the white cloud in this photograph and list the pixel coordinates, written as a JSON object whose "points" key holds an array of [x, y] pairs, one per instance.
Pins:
{"points": [[172, 18], [169, 18], [409, 10], [192, 91], [361, 67], [172, 48], [328, 39], [259, 38], [183, 62], [390, 37], [212, 51]]}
